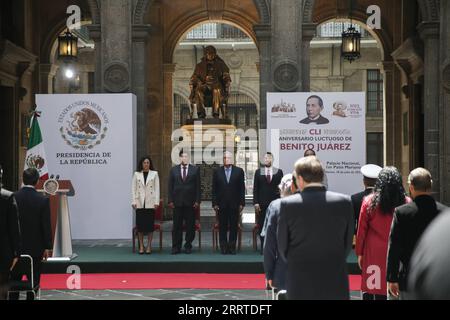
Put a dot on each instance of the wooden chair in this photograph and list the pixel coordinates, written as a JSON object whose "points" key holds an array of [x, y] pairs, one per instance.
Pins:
{"points": [[156, 227]]}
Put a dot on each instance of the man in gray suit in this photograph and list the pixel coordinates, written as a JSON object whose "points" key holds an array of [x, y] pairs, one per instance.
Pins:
{"points": [[315, 237]]}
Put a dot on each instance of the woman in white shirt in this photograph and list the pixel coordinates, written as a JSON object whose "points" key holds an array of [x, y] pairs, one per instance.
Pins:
{"points": [[145, 199]]}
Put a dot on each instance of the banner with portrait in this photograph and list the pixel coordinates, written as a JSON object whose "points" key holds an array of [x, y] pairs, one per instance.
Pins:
{"points": [[333, 124], [90, 139]]}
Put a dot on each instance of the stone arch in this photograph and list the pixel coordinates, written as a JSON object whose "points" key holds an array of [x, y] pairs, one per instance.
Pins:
{"points": [[95, 11], [429, 9], [264, 11], [250, 93], [360, 16], [191, 21], [140, 10]]}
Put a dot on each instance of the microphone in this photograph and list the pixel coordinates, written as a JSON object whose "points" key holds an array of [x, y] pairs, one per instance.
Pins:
{"points": [[51, 177], [57, 177]]}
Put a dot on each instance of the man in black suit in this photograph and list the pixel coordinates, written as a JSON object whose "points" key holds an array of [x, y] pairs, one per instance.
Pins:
{"points": [[265, 190], [228, 200], [315, 234], [184, 199], [314, 106], [410, 221], [370, 173], [9, 237], [35, 226], [428, 276]]}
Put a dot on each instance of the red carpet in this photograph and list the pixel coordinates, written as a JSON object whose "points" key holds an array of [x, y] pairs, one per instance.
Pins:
{"points": [[148, 281]]}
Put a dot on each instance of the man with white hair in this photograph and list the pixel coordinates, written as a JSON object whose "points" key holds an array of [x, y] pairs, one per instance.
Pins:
{"points": [[228, 200]]}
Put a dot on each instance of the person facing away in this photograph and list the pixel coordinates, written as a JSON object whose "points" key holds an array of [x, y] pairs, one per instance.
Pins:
{"points": [[314, 106], [370, 174], [312, 153], [408, 225], [375, 221], [428, 275], [184, 199], [9, 237], [145, 199], [265, 190], [35, 226], [275, 268], [315, 237], [228, 200]]}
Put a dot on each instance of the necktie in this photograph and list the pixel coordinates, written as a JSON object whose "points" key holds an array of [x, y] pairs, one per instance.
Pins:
{"points": [[268, 176], [184, 173], [228, 175]]}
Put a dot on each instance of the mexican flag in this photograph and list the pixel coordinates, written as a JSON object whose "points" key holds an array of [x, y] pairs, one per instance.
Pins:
{"points": [[35, 157]]}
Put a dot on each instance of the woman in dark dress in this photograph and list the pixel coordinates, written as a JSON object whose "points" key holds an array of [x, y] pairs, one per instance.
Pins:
{"points": [[145, 199]]}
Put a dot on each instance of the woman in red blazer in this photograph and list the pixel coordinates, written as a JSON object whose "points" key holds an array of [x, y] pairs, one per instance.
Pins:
{"points": [[373, 232]]}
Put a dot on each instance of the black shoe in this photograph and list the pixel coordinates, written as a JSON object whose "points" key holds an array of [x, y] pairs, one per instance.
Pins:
{"points": [[176, 251], [188, 250], [223, 250], [232, 251]]}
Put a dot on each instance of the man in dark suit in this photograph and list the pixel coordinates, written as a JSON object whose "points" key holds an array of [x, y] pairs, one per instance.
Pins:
{"points": [[228, 200], [370, 173], [315, 237], [35, 226], [314, 106], [265, 190], [184, 199], [410, 221], [428, 278], [9, 237]]}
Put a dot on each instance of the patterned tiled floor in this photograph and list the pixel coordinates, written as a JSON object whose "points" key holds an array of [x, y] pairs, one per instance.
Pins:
{"points": [[185, 294]]}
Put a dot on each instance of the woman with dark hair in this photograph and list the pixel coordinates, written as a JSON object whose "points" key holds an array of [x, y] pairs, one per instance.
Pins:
{"points": [[145, 199], [373, 231]]}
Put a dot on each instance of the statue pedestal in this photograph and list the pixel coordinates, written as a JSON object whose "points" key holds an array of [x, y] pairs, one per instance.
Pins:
{"points": [[207, 140]]}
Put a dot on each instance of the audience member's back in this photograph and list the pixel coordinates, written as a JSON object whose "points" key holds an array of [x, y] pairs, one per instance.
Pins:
{"points": [[315, 236]]}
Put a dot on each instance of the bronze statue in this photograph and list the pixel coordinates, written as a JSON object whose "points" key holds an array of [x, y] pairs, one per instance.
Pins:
{"points": [[210, 85]]}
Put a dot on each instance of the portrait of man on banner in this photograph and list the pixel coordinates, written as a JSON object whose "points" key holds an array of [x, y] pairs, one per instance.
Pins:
{"points": [[314, 107]]}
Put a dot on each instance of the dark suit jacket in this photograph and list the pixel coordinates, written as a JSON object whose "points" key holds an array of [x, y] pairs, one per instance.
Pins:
{"points": [[9, 230], [410, 221], [184, 193], [315, 235], [320, 120], [428, 278], [263, 192], [231, 195], [357, 200], [35, 225]]}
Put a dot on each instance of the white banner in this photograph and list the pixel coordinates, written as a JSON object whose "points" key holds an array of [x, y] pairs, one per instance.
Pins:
{"points": [[333, 124], [91, 140]]}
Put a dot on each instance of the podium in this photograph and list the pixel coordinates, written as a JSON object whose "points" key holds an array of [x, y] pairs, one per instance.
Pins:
{"points": [[60, 219]]}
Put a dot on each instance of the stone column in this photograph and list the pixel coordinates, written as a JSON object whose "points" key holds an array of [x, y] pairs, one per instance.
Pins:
{"points": [[96, 35], [47, 71], [309, 32], [286, 45], [263, 36], [429, 32], [167, 121], [392, 115], [444, 113], [116, 45], [139, 85]]}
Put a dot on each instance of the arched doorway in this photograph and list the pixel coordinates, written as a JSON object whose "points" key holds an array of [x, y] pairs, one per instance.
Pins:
{"points": [[329, 72], [241, 55]]}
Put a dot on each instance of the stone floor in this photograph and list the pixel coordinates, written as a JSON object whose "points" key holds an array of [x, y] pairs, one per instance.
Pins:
{"points": [[163, 294]]}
